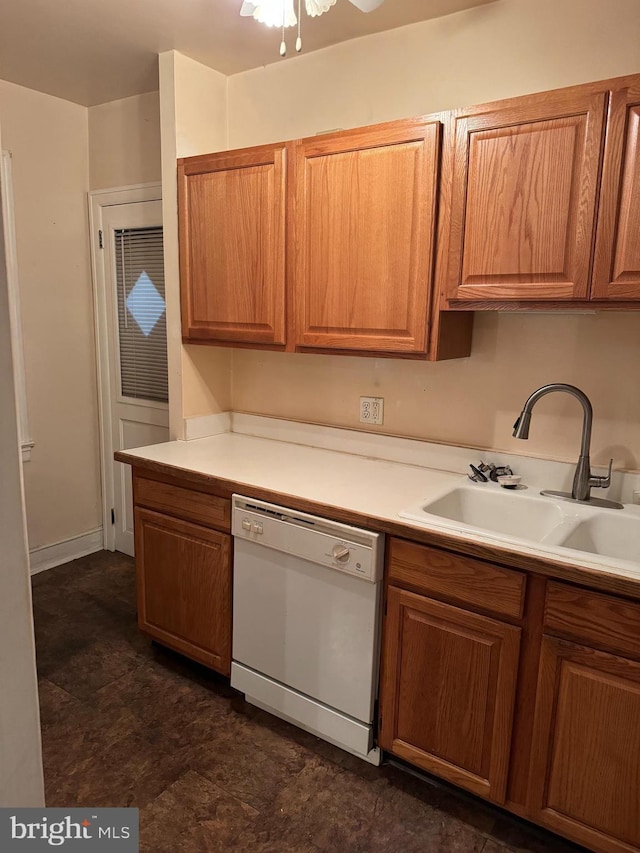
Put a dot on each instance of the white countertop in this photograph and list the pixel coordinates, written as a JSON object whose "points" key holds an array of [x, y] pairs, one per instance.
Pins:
{"points": [[377, 488], [373, 487]]}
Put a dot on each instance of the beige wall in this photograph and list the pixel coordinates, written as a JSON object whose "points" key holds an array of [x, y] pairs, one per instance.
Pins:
{"points": [[201, 107], [507, 48], [193, 115], [471, 401], [124, 142], [48, 139], [21, 781], [511, 47]]}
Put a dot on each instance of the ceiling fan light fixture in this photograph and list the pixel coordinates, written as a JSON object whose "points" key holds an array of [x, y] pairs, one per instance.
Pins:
{"points": [[281, 13], [318, 7], [272, 13], [366, 5]]}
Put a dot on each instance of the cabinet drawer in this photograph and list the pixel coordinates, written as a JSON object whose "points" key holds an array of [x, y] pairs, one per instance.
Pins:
{"points": [[456, 578], [185, 503], [601, 620]]}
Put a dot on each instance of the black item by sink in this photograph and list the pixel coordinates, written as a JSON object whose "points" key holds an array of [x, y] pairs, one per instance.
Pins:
{"points": [[479, 473]]}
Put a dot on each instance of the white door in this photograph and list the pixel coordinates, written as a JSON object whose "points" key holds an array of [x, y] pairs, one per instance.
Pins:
{"points": [[134, 368]]}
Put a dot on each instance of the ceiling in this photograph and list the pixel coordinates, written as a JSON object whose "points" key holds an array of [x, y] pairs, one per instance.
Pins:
{"points": [[90, 52]]}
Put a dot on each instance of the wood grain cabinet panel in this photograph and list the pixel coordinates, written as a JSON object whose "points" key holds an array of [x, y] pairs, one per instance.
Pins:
{"points": [[448, 688], [525, 181], [183, 575], [363, 237], [189, 504], [586, 750], [603, 621], [617, 259], [461, 580], [232, 246]]}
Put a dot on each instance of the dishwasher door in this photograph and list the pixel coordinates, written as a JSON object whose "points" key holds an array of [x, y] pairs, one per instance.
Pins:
{"points": [[306, 621], [308, 627]]}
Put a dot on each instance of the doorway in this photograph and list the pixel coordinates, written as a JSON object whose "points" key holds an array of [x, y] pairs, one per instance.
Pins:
{"points": [[127, 251]]}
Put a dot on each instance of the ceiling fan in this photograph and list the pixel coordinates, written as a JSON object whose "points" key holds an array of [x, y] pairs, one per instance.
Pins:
{"points": [[281, 13]]}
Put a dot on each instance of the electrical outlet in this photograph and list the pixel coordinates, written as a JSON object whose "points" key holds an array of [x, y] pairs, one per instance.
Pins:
{"points": [[371, 410]]}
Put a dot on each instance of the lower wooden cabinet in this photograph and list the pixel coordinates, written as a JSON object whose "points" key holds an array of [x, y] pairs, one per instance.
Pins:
{"points": [[454, 681], [184, 587], [585, 772], [448, 690]]}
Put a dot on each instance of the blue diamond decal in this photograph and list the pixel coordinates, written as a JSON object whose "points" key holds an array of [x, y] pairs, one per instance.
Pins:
{"points": [[145, 304]]}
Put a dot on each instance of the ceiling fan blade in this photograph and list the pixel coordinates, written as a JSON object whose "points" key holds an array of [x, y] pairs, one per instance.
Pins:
{"points": [[366, 5], [247, 9]]}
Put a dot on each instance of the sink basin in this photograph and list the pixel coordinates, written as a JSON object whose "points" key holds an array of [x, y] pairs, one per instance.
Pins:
{"points": [[512, 514], [610, 535], [524, 517]]}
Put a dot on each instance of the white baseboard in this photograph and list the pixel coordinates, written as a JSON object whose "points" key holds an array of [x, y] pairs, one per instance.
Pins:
{"points": [[206, 425], [62, 552]]}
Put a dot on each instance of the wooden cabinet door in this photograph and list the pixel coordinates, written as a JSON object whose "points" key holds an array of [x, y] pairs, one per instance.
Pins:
{"points": [[525, 180], [232, 245], [363, 237], [184, 587], [616, 272], [448, 688], [585, 769]]}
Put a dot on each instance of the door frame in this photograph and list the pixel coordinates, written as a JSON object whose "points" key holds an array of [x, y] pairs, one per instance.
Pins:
{"points": [[98, 200]]}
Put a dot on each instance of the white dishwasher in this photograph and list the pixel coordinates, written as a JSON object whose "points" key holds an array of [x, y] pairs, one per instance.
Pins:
{"points": [[306, 621]]}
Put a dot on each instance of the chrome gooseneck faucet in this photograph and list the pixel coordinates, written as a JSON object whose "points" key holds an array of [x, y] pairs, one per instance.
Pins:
{"points": [[583, 480]]}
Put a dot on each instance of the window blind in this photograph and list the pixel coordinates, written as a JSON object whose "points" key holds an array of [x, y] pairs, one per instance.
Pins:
{"points": [[142, 325]]}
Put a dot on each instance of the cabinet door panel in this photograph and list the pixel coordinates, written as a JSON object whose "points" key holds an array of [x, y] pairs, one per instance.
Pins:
{"points": [[448, 690], [232, 209], [184, 587], [586, 751], [364, 238], [524, 196], [617, 260]]}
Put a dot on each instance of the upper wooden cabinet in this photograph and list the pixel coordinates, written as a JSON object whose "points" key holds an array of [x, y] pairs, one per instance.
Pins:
{"points": [[232, 246], [523, 197], [617, 259], [333, 243], [363, 236]]}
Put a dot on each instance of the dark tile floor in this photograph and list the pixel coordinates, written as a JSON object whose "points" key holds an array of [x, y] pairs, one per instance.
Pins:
{"points": [[125, 723]]}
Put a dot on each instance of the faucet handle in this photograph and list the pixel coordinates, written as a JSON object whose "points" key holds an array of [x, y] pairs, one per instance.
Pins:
{"points": [[601, 482], [483, 472], [478, 475]]}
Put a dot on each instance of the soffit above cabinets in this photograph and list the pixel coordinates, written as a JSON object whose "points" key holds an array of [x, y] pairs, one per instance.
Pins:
{"points": [[90, 53]]}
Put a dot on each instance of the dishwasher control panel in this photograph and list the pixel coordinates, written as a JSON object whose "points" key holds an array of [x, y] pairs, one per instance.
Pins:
{"points": [[328, 543]]}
